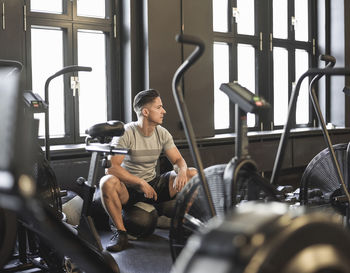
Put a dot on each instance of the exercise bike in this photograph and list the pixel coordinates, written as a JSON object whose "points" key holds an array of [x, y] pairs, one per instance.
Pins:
{"points": [[45, 240], [333, 185], [272, 237], [220, 187], [328, 171]]}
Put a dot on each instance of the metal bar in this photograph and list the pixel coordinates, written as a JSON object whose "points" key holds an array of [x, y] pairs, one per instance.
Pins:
{"points": [[92, 176], [3, 17], [184, 115], [105, 149], [25, 18], [327, 139], [115, 25]]}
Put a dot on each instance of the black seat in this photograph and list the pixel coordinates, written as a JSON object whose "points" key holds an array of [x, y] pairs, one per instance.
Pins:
{"points": [[107, 129]]}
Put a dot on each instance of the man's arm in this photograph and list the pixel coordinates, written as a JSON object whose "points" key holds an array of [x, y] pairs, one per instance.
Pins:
{"points": [[126, 177], [177, 160]]}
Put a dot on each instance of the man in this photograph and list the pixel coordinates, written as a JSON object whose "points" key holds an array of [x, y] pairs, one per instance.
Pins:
{"points": [[132, 178]]}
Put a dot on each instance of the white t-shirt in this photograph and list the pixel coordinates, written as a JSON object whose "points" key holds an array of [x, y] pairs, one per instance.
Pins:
{"points": [[144, 151]]}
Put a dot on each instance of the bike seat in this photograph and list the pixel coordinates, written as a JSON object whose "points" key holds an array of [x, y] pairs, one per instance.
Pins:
{"points": [[107, 129]]}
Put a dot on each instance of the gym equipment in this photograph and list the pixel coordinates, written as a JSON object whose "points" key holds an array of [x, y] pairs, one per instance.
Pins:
{"points": [[140, 219], [8, 234], [9, 110], [18, 194], [335, 172], [217, 188], [320, 174], [270, 237], [103, 132], [85, 230], [317, 73], [99, 214], [329, 169], [72, 210]]}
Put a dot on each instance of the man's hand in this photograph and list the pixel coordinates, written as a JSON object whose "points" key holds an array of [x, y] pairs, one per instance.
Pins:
{"points": [[148, 191], [180, 180]]}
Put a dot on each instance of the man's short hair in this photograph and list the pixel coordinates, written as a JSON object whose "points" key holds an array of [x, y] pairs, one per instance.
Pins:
{"points": [[144, 97]]}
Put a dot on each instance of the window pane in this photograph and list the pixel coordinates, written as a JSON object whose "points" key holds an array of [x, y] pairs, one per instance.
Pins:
{"points": [[220, 19], [93, 85], [47, 59], [280, 81], [221, 75], [280, 19], [91, 8], [245, 17], [302, 20], [50, 6], [246, 72], [301, 65]]}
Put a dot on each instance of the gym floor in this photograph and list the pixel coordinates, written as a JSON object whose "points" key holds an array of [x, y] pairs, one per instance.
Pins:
{"points": [[148, 255]]}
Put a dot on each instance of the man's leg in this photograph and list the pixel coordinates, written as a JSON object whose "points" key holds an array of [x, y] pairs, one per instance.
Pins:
{"points": [[113, 195], [190, 173]]}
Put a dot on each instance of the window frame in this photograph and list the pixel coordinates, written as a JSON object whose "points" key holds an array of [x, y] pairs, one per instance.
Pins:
{"points": [[264, 58], [70, 23]]}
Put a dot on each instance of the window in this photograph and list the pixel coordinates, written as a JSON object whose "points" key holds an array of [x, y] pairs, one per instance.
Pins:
{"points": [[280, 84], [221, 69], [268, 45], [53, 6], [246, 72], [63, 33]]}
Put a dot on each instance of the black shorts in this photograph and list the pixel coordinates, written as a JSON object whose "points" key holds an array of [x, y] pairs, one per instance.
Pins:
{"points": [[161, 186]]}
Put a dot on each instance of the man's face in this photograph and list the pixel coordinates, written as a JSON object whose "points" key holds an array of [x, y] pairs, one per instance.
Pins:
{"points": [[155, 111]]}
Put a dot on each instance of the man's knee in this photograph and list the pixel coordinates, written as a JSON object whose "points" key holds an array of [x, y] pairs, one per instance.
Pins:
{"points": [[109, 184], [111, 187]]}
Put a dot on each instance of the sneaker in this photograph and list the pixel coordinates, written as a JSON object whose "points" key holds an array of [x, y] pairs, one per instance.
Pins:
{"points": [[118, 242], [132, 238]]}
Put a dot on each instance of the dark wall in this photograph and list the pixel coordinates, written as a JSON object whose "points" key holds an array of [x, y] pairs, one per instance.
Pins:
{"points": [[199, 81], [165, 19], [164, 54], [12, 31]]}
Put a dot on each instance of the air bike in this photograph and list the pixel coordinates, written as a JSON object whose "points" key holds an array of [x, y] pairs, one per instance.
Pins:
{"points": [[218, 188], [328, 171], [252, 236]]}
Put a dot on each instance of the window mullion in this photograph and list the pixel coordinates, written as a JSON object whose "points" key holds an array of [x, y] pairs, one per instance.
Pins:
{"points": [[291, 32], [233, 25], [233, 77], [69, 102], [263, 25], [292, 81], [75, 98]]}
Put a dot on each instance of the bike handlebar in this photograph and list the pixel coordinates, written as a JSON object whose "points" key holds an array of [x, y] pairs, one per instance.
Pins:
{"points": [[195, 55], [328, 58], [183, 112], [11, 63]]}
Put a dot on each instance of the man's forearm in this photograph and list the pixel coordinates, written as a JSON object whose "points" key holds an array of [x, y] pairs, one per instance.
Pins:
{"points": [[181, 165]]}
